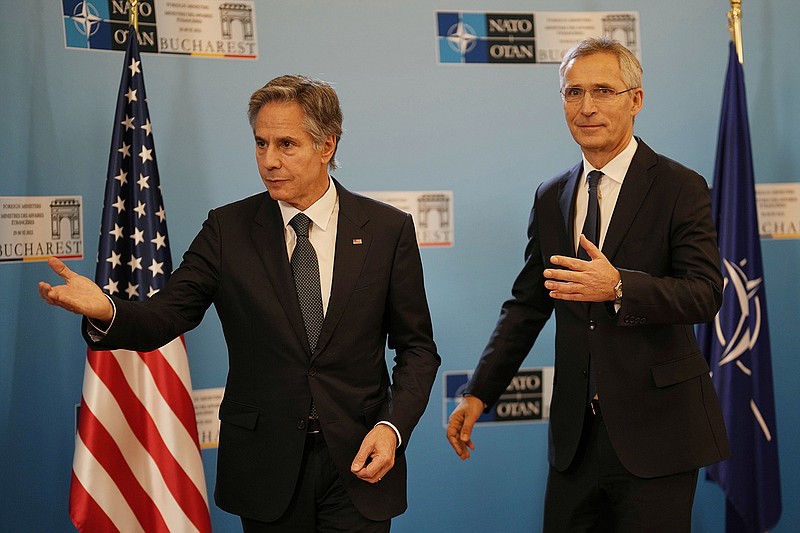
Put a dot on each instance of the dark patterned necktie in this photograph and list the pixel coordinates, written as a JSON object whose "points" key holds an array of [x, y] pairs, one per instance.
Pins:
{"points": [[591, 225], [591, 230], [305, 269]]}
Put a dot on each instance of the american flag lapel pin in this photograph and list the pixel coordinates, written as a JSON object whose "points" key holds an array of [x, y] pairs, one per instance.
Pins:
{"points": [[358, 241]]}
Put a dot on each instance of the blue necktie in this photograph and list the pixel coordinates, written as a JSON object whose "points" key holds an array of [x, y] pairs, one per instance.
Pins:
{"points": [[591, 225], [591, 230]]}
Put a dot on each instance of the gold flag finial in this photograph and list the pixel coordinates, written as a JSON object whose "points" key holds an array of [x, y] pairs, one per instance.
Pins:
{"points": [[133, 14], [735, 27]]}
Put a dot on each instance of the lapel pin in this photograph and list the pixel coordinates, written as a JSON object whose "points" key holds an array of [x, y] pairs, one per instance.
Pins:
{"points": [[358, 241]]}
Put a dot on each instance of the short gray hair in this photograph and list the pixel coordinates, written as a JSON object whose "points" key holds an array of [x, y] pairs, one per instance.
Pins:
{"points": [[629, 65], [317, 99]]}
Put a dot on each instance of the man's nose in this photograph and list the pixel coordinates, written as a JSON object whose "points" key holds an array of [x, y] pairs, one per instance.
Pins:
{"points": [[588, 105], [271, 158]]}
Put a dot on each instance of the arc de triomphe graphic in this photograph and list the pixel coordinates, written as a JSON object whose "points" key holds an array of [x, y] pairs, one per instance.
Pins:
{"points": [[614, 24], [232, 11], [434, 202], [70, 209]]}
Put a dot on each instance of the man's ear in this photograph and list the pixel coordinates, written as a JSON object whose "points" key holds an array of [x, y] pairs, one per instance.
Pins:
{"points": [[638, 101], [328, 149]]}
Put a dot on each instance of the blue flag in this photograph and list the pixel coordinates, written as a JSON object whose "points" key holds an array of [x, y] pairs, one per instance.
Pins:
{"points": [[737, 343]]}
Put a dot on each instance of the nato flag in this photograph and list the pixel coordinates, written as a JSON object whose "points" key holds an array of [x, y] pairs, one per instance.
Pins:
{"points": [[737, 343]]}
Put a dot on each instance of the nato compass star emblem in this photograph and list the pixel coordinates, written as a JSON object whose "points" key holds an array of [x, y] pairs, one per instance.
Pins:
{"points": [[748, 326], [739, 335], [86, 18], [461, 37]]}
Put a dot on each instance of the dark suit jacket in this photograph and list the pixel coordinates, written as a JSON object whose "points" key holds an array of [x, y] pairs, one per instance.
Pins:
{"points": [[660, 408], [238, 263]]}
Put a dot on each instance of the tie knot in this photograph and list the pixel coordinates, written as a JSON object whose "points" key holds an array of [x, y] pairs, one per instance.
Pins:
{"points": [[300, 223], [594, 178]]}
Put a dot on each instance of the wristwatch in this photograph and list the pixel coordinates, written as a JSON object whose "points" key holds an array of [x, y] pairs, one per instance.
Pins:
{"points": [[618, 292]]}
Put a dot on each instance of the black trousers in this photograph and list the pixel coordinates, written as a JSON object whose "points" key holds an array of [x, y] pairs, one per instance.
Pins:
{"points": [[320, 502], [597, 494]]}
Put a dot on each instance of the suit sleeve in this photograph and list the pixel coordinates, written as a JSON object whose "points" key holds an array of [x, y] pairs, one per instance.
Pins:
{"points": [[687, 289], [177, 308], [410, 335]]}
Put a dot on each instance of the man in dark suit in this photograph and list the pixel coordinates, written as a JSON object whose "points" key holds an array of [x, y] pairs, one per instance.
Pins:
{"points": [[633, 414], [313, 428]]}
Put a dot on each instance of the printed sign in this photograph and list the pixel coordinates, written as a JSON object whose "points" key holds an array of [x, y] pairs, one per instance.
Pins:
{"points": [[200, 28], [526, 399], [33, 228], [206, 411], [432, 212], [778, 210], [527, 38]]}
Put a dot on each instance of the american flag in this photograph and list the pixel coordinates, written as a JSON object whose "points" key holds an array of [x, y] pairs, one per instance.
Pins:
{"points": [[137, 464]]}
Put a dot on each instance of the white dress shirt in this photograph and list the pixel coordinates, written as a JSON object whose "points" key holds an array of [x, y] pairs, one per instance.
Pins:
{"points": [[324, 215], [607, 191]]}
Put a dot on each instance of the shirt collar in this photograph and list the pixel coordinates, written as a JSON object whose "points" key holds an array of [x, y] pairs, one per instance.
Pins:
{"points": [[617, 167], [319, 212]]}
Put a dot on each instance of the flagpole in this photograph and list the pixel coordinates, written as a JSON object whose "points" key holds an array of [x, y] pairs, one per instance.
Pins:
{"points": [[734, 26], [737, 343], [133, 14], [137, 464]]}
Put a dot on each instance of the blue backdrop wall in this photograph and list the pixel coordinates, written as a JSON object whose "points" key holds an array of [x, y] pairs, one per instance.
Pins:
{"points": [[489, 134]]}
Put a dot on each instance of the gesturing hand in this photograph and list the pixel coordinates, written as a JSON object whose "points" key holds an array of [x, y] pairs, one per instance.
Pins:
{"points": [[579, 280], [79, 294]]}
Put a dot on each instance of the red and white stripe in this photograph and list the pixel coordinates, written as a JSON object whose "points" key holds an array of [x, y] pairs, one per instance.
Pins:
{"points": [[137, 464]]}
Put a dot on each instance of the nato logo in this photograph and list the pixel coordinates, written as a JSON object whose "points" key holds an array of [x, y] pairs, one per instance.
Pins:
{"points": [[526, 398], [485, 37], [103, 24], [85, 24]]}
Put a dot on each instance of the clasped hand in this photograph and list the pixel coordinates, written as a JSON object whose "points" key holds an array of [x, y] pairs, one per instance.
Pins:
{"points": [[582, 281]]}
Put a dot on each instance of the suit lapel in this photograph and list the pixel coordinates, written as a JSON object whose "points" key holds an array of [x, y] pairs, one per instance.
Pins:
{"points": [[269, 241], [567, 193], [353, 241], [637, 182]]}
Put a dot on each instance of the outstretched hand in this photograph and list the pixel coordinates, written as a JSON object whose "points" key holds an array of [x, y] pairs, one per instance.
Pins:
{"points": [[582, 281], [79, 294]]}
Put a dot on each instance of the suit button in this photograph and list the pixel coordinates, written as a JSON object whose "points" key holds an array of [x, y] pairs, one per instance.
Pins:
{"points": [[301, 424], [585, 373], [592, 325], [312, 371]]}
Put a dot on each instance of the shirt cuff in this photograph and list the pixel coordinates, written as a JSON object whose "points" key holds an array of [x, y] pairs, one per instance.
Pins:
{"points": [[95, 331], [396, 432]]}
